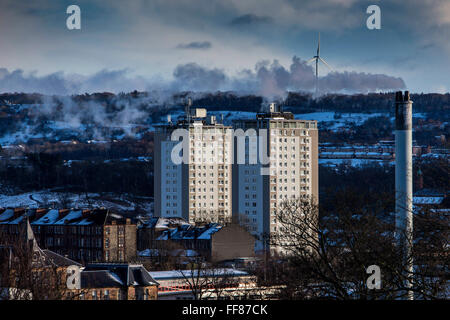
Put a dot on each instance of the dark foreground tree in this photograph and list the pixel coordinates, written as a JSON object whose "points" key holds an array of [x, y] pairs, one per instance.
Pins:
{"points": [[330, 258], [27, 272]]}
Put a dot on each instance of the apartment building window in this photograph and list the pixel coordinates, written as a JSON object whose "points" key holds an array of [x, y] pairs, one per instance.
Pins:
{"points": [[106, 243]]}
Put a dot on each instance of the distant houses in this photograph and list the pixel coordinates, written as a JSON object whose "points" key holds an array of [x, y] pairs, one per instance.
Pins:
{"points": [[124, 281], [95, 235], [98, 235], [212, 241], [29, 272]]}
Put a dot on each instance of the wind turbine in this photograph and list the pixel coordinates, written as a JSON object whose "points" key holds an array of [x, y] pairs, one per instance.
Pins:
{"points": [[317, 58]]}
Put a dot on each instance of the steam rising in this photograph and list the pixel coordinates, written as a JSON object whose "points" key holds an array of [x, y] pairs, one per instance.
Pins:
{"points": [[268, 79]]}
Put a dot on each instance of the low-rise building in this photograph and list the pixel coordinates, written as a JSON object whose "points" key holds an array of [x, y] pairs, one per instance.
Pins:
{"points": [[106, 281], [84, 235], [213, 241]]}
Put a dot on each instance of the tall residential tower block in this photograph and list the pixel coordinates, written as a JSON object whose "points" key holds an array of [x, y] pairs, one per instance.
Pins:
{"points": [[287, 168], [199, 188]]}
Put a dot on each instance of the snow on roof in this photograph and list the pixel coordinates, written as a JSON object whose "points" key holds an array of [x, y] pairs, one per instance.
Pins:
{"points": [[184, 253], [163, 223], [185, 232], [71, 216], [49, 218], [17, 220], [177, 274], [149, 253], [209, 231], [84, 222], [427, 200], [7, 214]]}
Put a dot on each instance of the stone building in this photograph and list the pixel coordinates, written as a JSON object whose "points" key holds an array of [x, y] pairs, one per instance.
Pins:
{"points": [[213, 242], [115, 281], [89, 235]]}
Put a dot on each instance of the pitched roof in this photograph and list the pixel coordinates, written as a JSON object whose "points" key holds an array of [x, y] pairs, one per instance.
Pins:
{"points": [[185, 232], [130, 275], [164, 222], [72, 217], [59, 260], [181, 274], [99, 279]]}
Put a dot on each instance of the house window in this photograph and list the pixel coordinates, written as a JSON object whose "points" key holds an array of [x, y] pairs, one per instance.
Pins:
{"points": [[106, 295]]}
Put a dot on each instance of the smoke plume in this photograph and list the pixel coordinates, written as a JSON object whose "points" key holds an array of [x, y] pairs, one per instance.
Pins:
{"points": [[268, 79]]}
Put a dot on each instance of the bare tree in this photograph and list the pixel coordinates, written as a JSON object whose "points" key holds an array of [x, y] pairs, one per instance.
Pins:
{"points": [[221, 282], [329, 258], [64, 200], [196, 277], [28, 274]]}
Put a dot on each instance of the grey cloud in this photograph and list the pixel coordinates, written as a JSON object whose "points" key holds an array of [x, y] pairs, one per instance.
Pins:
{"points": [[203, 45], [273, 80], [251, 19], [192, 76], [359, 82], [63, 84], [269, 79]]}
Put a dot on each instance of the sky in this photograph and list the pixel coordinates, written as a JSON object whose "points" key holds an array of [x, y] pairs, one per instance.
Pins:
{"points": [[257, 46]]}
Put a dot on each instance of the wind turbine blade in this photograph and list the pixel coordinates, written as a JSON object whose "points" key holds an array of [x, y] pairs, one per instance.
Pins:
{"points": [[318, 46], [323, 61], [311, 60]]}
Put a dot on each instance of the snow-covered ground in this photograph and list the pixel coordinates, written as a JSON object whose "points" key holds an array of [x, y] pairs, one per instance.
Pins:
{"points": [[46, 199], [66, 130], [332, 120], [353, 162]]}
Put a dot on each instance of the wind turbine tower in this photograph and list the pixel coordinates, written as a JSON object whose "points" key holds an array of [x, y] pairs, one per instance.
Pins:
{"points": [[316, 59]]}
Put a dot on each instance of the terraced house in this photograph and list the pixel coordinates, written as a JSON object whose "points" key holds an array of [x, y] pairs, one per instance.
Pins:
{"points": [[94, 235]]}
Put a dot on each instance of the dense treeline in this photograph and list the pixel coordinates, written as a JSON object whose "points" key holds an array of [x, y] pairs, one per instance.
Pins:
{"points": [[46, 171], [371, 180]]}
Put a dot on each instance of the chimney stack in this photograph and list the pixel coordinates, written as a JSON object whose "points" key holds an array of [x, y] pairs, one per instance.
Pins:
{"points": [[403, 180]]}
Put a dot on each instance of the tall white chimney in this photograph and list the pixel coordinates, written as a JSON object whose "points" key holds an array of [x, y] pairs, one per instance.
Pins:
{"points": [[403, 180]]}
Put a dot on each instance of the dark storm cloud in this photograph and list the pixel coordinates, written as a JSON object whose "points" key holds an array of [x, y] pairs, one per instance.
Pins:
{"points": [[250, 19], [197, 45], [192, 76]]}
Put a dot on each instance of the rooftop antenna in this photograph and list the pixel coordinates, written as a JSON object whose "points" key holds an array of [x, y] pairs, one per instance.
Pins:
{"points": [[317, 58], [188, 110]]}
